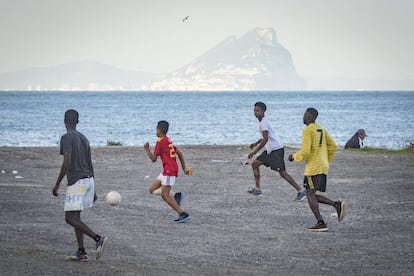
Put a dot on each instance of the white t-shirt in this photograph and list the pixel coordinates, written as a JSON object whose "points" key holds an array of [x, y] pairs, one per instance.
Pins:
{"points": [[274, 142], [361, 143]]}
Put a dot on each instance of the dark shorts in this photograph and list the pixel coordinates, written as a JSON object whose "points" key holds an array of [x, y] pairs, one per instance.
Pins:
{"points": [[315, 182], [274, 160]]}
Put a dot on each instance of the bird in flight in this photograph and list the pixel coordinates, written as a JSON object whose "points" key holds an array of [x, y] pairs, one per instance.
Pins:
{"points": [[185, 18]]}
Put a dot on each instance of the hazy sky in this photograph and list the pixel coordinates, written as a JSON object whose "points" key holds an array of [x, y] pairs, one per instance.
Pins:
{"points": [[326, 38]]}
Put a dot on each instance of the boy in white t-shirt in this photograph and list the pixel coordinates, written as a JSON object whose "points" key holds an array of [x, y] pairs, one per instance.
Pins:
{"points": [[273, 155]]}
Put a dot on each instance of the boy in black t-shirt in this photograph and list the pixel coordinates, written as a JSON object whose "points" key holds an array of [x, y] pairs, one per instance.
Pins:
{"points": [[80, 192]]}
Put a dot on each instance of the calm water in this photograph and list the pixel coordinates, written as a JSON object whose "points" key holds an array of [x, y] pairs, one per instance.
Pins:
{"points": [[202, 118]]}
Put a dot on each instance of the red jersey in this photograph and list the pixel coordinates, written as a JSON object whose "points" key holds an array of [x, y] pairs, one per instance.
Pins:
{"points": [[166, 150]]}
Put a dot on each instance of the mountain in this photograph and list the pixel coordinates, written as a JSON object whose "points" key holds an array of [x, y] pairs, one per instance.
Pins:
{"points": [[255, 61], [86, 75]]}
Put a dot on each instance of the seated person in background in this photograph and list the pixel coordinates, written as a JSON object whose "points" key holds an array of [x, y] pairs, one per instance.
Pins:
{"points": [[357, 140]]}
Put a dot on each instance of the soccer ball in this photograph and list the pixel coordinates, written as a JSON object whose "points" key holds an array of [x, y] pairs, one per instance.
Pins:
{"points": [[157, 191], [113, 198]]}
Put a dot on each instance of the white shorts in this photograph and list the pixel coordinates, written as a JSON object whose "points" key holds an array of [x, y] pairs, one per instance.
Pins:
{"points": [[80, 195], [166, 180]]}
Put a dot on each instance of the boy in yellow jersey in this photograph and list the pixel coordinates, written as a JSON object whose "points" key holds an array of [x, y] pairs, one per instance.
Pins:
{"points": [[318, 149]]}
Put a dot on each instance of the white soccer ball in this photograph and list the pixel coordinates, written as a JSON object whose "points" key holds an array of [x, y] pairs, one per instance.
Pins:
{"points": [[113, 198]]}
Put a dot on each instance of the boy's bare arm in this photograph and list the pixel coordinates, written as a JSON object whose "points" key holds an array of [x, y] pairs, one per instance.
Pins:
{"points": [[253, 145], [181, 157], [151, 155], [182, 161], [63, 171], [262, 142]]}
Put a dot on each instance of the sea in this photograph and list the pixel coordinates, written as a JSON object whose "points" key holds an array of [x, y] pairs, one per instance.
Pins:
{"points": [[30, 119]]}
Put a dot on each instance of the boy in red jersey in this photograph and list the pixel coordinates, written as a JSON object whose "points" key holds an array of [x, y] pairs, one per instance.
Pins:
{"points": [[166, 150]]}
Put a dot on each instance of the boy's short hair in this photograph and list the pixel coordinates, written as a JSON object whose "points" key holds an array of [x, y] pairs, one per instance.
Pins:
{"points": [[312, 111], [163, 126], [261, 105], [71, 117]]}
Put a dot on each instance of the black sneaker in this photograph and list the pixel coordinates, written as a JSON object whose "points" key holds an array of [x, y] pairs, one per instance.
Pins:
{"points": [[183, 217], [178, 198], [319, 227], [340, 209], [255, 191], [301, 196], [100, 246]]}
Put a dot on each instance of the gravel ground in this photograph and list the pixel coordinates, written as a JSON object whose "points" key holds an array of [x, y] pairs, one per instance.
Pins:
{"points": [[231, 232]]}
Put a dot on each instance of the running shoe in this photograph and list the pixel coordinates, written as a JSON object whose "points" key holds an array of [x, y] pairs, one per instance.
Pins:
{"points": [[179, 198], [255, 191], [340, 209], [301, 196], [100, 246], [183, 217], [319, 227], [78, 256]]}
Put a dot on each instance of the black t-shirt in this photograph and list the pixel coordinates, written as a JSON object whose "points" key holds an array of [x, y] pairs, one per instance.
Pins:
{"points": [[77, 144]]}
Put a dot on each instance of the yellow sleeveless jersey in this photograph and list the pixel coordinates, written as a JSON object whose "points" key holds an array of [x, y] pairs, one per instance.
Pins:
{"points": [[318, 149]]}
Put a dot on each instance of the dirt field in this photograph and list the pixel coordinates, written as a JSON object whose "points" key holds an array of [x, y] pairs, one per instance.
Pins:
{"points": [[231, 232]]}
